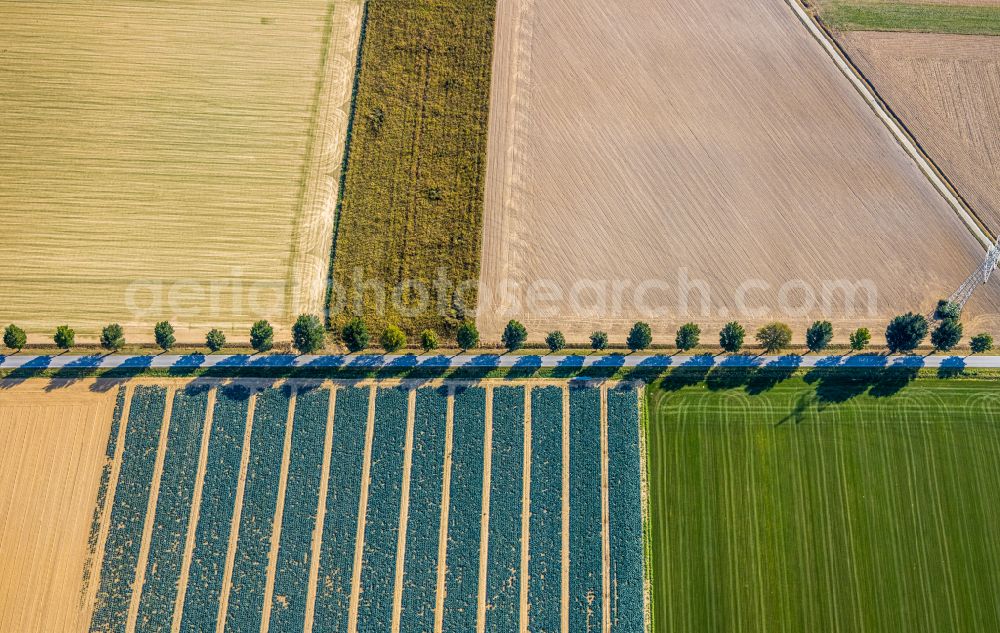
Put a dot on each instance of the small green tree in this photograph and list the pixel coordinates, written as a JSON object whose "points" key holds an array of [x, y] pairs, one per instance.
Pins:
{"points": [[906, 332], [355, 335], [774, 337], [262, 336], [428, 340], [514, 336], [14, 338], [688, 336], [163, 332], [215, 340], [599, 341], [947, 335], [555, 340], [640, 337], [947, 310], [308, 335], [112, 337], [467, 336], [65, 337], [731, 337], [819, 335], [860, 339], [393, 339], [981, 343]]}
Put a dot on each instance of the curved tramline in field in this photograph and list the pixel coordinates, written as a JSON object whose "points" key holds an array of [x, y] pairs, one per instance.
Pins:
{"points": [[335, 507]]}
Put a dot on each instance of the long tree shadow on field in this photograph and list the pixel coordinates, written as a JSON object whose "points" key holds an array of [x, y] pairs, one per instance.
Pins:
{"points": [[73, 372], [604, 368], [31, 369], [693, 371], [769, 376], [868, 374], [951, 367]]}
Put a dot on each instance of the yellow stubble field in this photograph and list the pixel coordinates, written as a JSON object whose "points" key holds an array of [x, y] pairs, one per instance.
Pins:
{"points": [[172, 160]]}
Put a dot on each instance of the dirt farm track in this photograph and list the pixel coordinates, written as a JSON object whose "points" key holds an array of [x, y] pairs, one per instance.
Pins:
{"points": [[639, 143]]}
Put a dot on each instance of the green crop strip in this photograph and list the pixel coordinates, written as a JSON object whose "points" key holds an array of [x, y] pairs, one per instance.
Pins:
{"points": [[922, 18], [412, 201]]}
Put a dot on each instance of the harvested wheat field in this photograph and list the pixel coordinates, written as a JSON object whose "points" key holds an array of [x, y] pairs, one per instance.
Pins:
{"points": [[53, 439], [170, 160], [674, 161], [946, 89]]}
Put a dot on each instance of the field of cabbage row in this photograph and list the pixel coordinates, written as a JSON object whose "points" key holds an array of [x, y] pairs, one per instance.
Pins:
{"points": [[332, 507]]}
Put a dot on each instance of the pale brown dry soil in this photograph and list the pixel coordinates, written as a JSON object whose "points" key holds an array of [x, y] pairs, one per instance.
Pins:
{"points": [[946, 89], [52, 450], [635, 141]]}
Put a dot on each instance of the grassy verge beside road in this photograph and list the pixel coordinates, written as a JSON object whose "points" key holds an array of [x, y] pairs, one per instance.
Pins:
{"points": [[846, 15], [413, 195], [824, 501]]}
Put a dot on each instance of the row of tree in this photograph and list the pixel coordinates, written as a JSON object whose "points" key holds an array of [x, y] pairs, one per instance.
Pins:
{"points": [[904, 333]]}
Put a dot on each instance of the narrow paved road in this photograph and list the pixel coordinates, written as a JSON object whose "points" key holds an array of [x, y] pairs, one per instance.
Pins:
{"points": [[487, 361]]}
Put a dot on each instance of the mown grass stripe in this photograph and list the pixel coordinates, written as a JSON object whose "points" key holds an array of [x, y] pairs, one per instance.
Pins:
{"points": [[503, 588], [465, 511], [382, 519], [260, 499], [173, 510], [545, 526], [424, 524], [128, 514], [862, 510], [341, 524], [288, 606], [222, 473]]}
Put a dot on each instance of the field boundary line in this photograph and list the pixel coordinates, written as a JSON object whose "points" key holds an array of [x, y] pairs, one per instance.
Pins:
{"points": [[904, 139], [193, 517], [484, 519], [404, 510], [525, 510], [234, 528], [359, 541], [147, 529], [564, 610], [109, 502], [605, 516], [279, 513], [647, 511], [317, 538], [445, 501]]}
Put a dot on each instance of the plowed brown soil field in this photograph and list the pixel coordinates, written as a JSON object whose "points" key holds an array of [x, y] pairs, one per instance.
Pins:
{"points": [[676, 161], [946, 89]]}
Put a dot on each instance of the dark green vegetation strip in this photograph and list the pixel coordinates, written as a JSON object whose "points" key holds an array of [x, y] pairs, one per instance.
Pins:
{"points": [[336, 561], [260, 500], [424, 525], [815, 502], [173, 510], [128, 514], [218, 504], [291, 580], [413, 193], [923, 18]]}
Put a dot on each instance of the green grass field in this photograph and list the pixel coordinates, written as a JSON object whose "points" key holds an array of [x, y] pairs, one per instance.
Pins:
{"points": [[413, 196], [819, 505], [850, 15]]}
